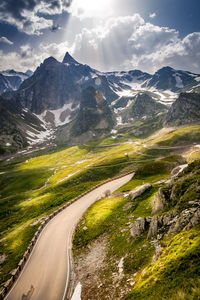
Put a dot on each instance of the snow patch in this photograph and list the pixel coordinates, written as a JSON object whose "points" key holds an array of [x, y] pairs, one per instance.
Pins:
{"points": [[57, 114], [179, 82], [119, 121], [197, 79], [113, 131], [35, 138]]}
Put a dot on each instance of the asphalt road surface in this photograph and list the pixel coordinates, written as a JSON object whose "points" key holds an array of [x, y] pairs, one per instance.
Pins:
{"points": [[46, 273]]}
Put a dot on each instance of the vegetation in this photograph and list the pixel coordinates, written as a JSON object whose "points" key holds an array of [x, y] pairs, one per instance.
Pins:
{"points": [[34, 187], [175, 273]]}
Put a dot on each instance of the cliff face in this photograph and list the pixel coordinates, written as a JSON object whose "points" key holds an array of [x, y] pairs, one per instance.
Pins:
{"points": [[146, 106], [51, 86], [185, 110], [94, 113], [169, 79]]}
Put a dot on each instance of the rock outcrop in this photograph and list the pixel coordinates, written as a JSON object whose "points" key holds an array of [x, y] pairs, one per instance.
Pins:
{"points": [[94, 113], [185, 110], [158, 202], [169, 79], [138, 191], [181, 201], [138, 227], [146, 106]]}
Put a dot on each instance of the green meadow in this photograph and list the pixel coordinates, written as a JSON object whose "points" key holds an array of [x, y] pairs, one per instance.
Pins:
{"points": [[33, 187]]}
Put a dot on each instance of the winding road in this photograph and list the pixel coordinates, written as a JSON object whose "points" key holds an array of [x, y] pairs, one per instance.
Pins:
{"points": [[47, 271]]}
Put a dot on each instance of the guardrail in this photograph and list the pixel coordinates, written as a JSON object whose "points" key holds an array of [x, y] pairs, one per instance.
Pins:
{"points": [[15, 273]]}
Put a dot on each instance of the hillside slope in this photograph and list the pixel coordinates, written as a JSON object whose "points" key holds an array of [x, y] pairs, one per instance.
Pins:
{"points": [[147, 237]]}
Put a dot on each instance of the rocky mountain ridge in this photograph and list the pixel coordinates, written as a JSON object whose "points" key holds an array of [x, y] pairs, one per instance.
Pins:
{"points": [[10, 80], [55, 96]]}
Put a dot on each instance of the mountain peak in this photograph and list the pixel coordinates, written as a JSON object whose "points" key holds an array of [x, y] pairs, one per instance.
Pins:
{"points": [[68, 59], [165, 69], [50, 60]]}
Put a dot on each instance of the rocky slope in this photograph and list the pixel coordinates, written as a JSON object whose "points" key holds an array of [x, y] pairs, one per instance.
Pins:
{"points": [[149, 235], [19, 128], [54, 95], [94, 119], [11, 80], [169, 79], [146, 106], [94, 113], [185, 110]]}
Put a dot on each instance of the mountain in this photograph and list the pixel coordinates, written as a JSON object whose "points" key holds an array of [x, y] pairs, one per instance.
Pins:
{"points": [[68, 59], [11, 80], [185, 110], [169, 79], [19, 127], [94, 113], [68, 101], [146, 106]]}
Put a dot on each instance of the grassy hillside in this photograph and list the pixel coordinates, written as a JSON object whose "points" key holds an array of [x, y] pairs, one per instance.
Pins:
{"points": [[174, 274], [31, 188]]}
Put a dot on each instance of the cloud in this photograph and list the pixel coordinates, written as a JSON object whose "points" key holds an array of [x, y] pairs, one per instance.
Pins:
{"points": [[4, 40], [26, 14], [122, 43], [129, 42], [30, 58], [84, 9], [55, 28], [152, 15]]}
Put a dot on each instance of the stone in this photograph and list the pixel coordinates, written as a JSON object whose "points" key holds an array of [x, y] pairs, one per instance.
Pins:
{"points": [[158, 202], [139, 191], [195, 220], [127, 206], [158, 250], [155, 224], [139, 226]]}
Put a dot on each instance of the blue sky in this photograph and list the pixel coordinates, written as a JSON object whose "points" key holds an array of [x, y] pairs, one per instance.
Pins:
{"points": [[106, 34]]}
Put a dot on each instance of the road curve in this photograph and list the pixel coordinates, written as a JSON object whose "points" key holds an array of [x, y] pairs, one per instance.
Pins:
{"points": [[45, 274]]}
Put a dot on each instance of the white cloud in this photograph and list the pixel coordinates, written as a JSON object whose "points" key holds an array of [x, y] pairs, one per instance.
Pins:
{"points": [[31, 23], [121, 43], [30, 58], [26, 14], [92, 9], [152, 15], [5, 40], [131, 43]]}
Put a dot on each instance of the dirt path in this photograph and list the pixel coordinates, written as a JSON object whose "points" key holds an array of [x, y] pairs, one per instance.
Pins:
{"points": [[46, 273]]}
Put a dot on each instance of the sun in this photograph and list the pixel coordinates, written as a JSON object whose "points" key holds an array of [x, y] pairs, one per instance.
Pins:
{"points": [[92, 8], [95, 5]]}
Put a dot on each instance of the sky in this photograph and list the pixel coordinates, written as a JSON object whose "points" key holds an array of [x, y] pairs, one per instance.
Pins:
{"points": [[108, 35]]}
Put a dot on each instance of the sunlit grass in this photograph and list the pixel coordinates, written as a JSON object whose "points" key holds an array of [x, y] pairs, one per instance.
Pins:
{"points": [[176, 269], [35, 187]]}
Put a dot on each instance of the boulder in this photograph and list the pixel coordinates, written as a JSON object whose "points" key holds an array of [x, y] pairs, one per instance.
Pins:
{"points": [[158, 250], [195, 220], [156, 223], [186, 220], [138, 191], [158, 202], [127, 206], [139, 226]]}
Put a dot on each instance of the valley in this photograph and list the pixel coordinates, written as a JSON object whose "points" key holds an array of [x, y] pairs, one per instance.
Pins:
{"points": [[43, 183], [66, 129]]}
